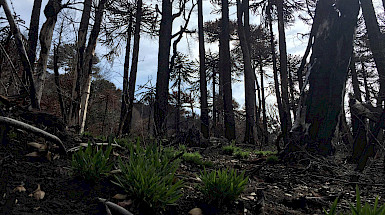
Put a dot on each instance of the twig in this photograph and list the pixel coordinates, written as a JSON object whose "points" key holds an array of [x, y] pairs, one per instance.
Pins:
{"points": [[33, 129], [115, 207]]}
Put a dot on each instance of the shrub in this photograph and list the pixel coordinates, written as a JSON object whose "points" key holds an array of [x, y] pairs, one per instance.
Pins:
{"points": [[222, 186], [92, 163], [272, 159], [149, 176], [359, 209]]}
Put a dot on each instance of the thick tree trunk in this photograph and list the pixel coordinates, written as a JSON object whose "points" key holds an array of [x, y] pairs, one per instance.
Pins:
{"points": [[51, 11], [291, 87], [367, 93], [163, 75], [23, 54], [286, 118], [202, 71], [79, 73], [225, 69], [33, 33], [87, 67], [134, 68], [376, 43], [250, 98], [125, 98], [323, 104]]}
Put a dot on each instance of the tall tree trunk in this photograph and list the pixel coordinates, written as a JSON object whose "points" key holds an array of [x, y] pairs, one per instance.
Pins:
{"points": [[178, 105], [125, 98], [33, 33], [376, 43], [57, 76], [163, 75], [215, 123], [23, 54], [51, 11], [202, 71], [89, 55], [78, 75], [323, 104], [225, 69], [286, 118], [250, 98], [134, 67], [264, 118], [291, 87], [275, 69]]}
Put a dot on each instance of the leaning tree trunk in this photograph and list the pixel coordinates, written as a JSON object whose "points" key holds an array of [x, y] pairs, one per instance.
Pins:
{"points": [[125, 99], [33, 32], [250, 98], [376, 43], [78, 75], [327, 75], [286, 118], [89, 55], [51, 11], [163, 75], [202, 72], [23, 54], [134, 68], [225, 69]]}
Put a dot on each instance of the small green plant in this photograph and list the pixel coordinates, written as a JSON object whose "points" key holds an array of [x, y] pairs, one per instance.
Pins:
{"points": [[272, 159], [122, 142], [265, 153], [92, 163], [241, 154], [86, 134], [196, 158], [229, 150], [222, 186], [359, 209], [149, 176]]}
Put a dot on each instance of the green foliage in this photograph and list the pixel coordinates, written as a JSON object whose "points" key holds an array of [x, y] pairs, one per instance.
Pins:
{"points": [[241, 154], [236, 151], [272, 159], [359, 209], [229, 150], [196, 158], [149, 176], [265, 153], [92, 163], [86, 134], [122, 142], [222, 186]]}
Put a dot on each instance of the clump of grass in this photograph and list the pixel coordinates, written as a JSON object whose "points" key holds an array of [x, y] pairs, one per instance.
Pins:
{"points": [[149, 176], [92, 163], [241, 154], [272, 159], [196, 158], [229, 150], [265, 153], [359, 209], [86, 134], [222, 186]]}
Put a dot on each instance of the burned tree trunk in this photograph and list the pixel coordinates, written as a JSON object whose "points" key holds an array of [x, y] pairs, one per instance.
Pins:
{"points": [[33, 32], [333, 45]]}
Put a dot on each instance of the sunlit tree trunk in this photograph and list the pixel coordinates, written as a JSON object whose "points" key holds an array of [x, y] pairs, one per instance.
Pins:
{"points": [[51, 11], [89, 55]]}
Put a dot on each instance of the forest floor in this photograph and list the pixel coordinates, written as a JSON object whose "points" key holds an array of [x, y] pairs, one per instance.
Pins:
{"points": [[306, 187]]}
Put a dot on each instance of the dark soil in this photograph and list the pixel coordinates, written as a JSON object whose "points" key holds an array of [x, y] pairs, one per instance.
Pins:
{"points": [[305, 187]]}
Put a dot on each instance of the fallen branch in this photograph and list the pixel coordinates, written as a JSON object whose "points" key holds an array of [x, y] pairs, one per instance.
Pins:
{"points": [[33, 129], [77, 148], [115, 207]]}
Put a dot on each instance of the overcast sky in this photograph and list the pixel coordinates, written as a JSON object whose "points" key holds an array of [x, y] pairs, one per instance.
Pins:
{"points": [[149, 47]]}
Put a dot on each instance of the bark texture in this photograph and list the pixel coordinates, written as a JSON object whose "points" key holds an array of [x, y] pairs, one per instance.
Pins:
{"points": [[33, 32]]}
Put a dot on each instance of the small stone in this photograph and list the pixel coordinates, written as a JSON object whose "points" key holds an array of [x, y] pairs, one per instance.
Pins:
{"points": [[195, 211]]}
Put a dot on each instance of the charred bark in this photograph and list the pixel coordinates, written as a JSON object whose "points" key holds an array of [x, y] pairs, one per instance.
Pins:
{"points": [[33, 33]]}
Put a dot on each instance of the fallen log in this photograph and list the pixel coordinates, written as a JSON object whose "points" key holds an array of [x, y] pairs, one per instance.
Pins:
{"points": [[33, 129]]}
